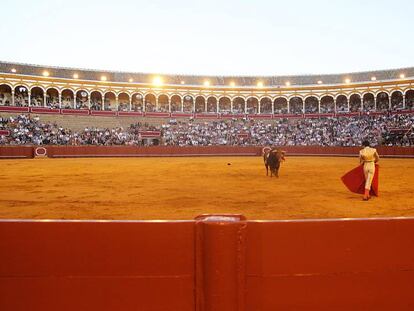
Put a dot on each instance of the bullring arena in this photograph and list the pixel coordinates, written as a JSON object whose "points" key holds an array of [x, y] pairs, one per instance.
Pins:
{"points": [[127, 191], [182, 188]]}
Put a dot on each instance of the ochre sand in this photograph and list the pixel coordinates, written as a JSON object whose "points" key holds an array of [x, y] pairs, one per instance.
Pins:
{"points": [[182, 188]]}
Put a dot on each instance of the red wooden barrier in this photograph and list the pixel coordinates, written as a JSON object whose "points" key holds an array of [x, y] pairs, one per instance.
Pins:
{"points": [[42, 110], [220, 263], [168, 151], [331, 265], [96, 265], [10, 152]]}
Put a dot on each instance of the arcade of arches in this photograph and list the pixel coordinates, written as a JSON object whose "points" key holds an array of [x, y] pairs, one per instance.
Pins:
{"points": [[36, 96]]}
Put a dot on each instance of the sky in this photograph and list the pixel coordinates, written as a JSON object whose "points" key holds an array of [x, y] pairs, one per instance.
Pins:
{"points": [[257, 37]]}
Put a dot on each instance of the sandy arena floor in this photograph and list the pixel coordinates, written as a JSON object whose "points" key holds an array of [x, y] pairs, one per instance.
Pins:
{"points": [[182, 188]]}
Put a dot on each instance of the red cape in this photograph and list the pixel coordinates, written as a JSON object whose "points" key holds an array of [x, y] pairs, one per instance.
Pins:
{"points": [[354, 180]]}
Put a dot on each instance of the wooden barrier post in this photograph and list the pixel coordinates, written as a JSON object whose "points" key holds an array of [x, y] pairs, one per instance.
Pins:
{"points": [[220, 262]]}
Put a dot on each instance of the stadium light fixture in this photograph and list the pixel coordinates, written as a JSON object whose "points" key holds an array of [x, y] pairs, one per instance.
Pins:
{"points": [[206, 83], [130, 80], [157, 81], [347, 80], [402, 76], [103, 78], [13, 70], [260, 84], [320, 82], [373, 78], [182, 82], [287, 83], [46, 73], [232, 83], [75, 76]]}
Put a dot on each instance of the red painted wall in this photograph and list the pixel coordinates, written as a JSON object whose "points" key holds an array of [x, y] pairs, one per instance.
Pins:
{"points": [[96, 266], [331, 265], [16, 152], [132, 151], [220, 264], [214, 263]]}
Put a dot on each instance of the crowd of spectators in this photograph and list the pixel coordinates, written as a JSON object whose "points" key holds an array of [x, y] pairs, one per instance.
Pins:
{"points": [[389, 129]]}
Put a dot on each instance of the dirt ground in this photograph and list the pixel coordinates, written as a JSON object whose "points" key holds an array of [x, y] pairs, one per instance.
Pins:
{"points": [[182, 188]]}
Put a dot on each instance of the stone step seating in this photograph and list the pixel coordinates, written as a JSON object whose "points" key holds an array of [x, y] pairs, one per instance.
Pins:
{"points": [[78, 123]]}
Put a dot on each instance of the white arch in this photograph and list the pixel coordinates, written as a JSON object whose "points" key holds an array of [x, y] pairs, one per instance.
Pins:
{"points": [[176, 94], [7, 84], [163, 94], [326, 96], [310, 95], [52, 87], [21, 85], [395, 91], [296, 96], [108, 92], [68, 89], [202, 96], [97, 91], [224, 96], [38, 86], [284, 97], [342, 94], [84, 90], [214, 97], [381, 91], [265, 96]]}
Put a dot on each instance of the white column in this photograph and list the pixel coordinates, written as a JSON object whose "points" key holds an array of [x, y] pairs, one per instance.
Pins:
{"points": [[389, 101], [130, 102], [89, 101], [60, 99], [403, 100], [29, 97], [375, 103], [194, 102], [156, 103], [273, 107], [288, 105], [259, 106], [116, 102], [12, 92], [319, 105], [44, 99]]}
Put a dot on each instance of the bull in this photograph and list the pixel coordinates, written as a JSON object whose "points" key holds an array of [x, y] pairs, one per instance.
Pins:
{"points": [[272, 157]]}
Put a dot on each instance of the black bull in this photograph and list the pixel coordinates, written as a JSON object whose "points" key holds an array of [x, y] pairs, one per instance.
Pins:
{"points": [[272, 161]]}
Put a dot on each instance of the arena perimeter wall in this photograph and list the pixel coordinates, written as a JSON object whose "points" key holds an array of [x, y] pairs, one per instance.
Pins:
{"points": [[168, 151], [215, 263]]}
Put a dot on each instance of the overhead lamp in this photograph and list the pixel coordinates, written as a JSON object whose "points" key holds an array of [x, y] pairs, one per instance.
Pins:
{"points": [[157, 81]]}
